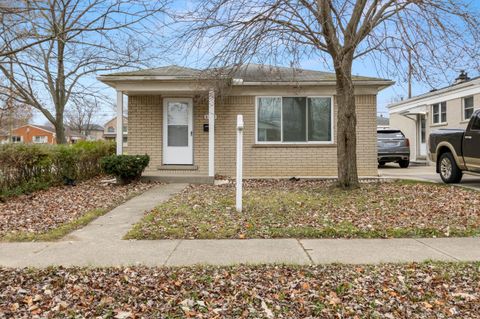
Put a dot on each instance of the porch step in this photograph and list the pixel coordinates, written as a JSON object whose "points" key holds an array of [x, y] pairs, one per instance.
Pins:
{"points": [[179, 179], [178, 168]]}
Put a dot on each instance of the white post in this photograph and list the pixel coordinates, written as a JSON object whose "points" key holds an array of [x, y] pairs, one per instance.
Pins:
{"points": [[211, 133], [239, 162], [119, 137]]}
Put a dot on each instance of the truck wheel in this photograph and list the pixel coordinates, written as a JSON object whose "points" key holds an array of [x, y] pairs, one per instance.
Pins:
{"points": [[404, 163], [449, 171], [381, 164]]}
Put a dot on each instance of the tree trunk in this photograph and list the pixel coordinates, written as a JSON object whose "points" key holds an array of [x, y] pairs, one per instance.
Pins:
{"points": [[60, 130], [346, 125]]}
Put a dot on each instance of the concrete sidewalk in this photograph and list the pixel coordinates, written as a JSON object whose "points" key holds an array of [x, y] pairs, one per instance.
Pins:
{"points": [[229, 252], [100, 244]]}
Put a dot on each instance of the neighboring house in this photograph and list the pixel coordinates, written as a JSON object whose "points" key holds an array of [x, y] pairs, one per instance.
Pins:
{"points": [[110, 130], [188, 127], [91, 132], [449, 107], [33, 133], [3, 136], [383, 122], [41, 134]]}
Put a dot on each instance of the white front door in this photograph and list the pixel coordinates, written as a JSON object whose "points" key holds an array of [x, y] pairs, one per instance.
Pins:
{"points": [[422, 136], [178, 131]]}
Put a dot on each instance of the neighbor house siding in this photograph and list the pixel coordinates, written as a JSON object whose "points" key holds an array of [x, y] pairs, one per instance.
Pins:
{"points": [[145, 136], [454, 120]]}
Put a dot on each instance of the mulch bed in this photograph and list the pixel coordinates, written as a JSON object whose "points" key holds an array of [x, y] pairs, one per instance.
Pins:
{"points": [[47, 209], [315, 209], [435, 290]]}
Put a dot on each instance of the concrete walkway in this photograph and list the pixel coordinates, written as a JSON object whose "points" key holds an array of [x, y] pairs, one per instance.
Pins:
{"points": [[100, 244]]}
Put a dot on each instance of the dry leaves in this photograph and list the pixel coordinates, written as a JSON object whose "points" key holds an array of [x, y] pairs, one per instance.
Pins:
{"points": [[48, 209], [314, 209], [432, 290]]}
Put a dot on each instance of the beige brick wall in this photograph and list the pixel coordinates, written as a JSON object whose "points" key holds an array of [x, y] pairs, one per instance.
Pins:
{"points": [[145, 136]]}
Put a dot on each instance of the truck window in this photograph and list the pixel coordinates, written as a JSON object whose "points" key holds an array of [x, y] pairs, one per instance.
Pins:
{"points": [[476, 123]]}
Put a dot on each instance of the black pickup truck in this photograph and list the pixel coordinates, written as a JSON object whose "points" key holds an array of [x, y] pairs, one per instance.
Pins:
{"points": [[456, 151]]}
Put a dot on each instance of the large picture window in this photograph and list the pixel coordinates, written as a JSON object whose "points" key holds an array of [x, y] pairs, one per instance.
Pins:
{"points": [[294, 119], [439, 113]]}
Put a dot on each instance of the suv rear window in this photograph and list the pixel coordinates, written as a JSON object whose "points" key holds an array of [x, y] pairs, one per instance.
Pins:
{"points": [[390, 134]]}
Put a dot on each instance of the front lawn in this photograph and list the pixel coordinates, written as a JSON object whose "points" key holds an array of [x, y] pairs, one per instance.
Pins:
{"points": [[315, 209], [427, 290], [52, 213]]}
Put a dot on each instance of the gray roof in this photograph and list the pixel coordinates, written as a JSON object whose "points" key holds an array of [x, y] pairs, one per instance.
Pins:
{"points": [[247, 73]]}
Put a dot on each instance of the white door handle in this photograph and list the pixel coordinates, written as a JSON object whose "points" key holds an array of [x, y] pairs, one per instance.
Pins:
{"points": [[468, 137]]}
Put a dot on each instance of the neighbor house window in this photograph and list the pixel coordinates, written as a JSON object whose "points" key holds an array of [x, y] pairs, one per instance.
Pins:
{"points": [[294, 119], [439, 113], [16, 139], [40, 139], [467, 107], [110, 129]]}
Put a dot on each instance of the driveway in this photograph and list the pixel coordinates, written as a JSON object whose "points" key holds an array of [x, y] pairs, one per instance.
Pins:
{"points": [[425, 173]]}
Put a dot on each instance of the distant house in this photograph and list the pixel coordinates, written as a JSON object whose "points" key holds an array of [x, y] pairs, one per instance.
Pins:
{"points": [[39, 134], [448, 107], [383, 122], [3, 136], [90, 132], [36, 134], [110, 130]]}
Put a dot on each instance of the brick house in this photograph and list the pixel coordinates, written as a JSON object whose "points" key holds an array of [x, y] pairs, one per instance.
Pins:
{"points": [[37, 134], [41, 134], [185, 120]]}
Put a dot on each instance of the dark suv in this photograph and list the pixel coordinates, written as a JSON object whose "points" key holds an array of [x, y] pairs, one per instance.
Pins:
{"points": [[393, 146]]}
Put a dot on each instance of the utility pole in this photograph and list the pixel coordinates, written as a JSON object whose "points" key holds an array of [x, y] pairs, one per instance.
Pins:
{"points": [[409, 72]]}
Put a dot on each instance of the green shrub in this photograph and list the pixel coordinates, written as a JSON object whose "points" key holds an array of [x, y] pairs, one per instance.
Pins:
{"points": [[125, 168], [28, 167]]}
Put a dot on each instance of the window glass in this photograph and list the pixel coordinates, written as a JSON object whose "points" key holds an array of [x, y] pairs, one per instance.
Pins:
{"points": [[467, 107], [444, 112], [390, 135], [319, 119], [436, 113], [110, 129], [476, 123], [269, 119], [294, 119], [177, 121]]}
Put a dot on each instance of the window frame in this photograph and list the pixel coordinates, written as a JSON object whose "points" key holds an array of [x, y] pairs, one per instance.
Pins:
{"points": [[440, 122], [281, 142], [463, 107], [42, 139]]}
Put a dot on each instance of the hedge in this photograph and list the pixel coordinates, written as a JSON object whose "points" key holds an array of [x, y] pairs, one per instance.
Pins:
{"points": [[28, 167]]}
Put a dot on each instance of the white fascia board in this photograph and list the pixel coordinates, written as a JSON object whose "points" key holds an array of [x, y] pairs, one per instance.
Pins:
{"points": [[436, 97]]}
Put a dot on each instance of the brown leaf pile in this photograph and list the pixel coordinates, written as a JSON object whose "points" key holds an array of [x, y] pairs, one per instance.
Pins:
{"points": [[47, 209], [435, 290], [315, 209]]}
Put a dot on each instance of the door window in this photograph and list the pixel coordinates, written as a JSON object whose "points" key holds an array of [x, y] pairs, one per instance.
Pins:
{"points": [[177, 121]]}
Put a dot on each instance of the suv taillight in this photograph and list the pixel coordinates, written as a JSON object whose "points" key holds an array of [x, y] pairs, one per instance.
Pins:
{"points": [[407, 142]]}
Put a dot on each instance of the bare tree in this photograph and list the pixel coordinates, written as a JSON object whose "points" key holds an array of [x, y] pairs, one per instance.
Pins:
{"points": [[86, 37], [79, 117], [439, 35]]}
